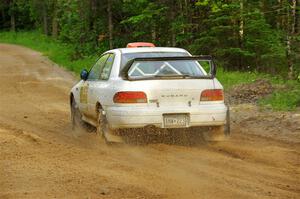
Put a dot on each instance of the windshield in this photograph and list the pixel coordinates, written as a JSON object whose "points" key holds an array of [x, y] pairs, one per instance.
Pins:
{"points": [[168, 69], [129, 56]]}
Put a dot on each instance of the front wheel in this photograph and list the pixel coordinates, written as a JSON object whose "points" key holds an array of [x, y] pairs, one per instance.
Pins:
{"points": [[76, 120], [105, 131]]}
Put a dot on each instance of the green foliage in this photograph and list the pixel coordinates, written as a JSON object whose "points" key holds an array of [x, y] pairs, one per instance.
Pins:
{"points": [[286, 99], [78, 28], [58, 52], [267, 52], [252, 45], [243, 36], [144, 19], [230, 79]]}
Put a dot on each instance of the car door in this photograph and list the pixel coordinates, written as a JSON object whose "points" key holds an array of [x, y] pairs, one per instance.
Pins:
{"points": [[94, 75], [98, 89]]}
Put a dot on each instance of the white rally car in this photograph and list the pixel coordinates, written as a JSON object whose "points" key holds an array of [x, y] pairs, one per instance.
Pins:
{"points": [[146, 86]]}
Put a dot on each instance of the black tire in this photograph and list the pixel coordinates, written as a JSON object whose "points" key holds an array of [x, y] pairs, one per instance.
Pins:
{"points": [[76, 121], [105, 131]]}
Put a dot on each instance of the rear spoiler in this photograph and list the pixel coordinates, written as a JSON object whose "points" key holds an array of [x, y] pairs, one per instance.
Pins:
{"points": [[213, 69]]}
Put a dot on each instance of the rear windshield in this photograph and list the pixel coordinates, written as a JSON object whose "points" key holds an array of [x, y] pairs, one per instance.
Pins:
{"points": [[129, 56], [167, 69]]}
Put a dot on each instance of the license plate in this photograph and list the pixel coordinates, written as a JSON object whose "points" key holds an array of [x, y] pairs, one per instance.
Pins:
{"points": [[175, 120]]}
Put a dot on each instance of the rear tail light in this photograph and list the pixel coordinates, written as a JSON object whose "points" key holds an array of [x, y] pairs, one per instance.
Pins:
{"points": [[212, 95], [130, 97]]}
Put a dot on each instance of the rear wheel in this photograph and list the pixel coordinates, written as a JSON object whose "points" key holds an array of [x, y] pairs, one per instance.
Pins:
{"points": [[215, 133], [219, 133], [105, 131]]}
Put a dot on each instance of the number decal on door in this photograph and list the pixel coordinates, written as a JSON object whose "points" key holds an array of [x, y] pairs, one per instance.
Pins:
{"points": [[84, 94]]}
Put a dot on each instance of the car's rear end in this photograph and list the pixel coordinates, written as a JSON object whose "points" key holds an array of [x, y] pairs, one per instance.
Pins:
{"points": [[170, 104], [167, 91]]}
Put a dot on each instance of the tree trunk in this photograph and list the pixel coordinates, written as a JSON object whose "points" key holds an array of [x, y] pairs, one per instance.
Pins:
{"points": [[45, 18], [93, 25], [181, 14], [54, 20], [54, 27], [153, 33], [13, 22], [241, 33], [173, 33], [292, 25], [93, 4], [297, 23], [187, 16], [241, 30], [110, 24], [278, 25], [12, 17], [3, 15]]}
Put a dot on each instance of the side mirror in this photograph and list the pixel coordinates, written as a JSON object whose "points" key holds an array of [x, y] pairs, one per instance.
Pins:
{"points": [[213, 71], [84, 74]]}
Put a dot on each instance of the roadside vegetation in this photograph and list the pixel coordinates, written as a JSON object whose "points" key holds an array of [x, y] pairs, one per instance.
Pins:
{"points": [[58, 52], [250, 40], [241, 35], [286, 95]]}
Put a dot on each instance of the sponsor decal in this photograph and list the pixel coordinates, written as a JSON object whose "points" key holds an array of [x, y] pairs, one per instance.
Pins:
{"points": [[84, 94]]}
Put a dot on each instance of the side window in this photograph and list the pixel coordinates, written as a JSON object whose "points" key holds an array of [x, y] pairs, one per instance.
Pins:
{"points": [[94, 73], [107, 67]]}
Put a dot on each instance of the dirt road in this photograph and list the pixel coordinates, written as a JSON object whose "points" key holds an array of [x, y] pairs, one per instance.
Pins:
{"points": [[41, 158]]}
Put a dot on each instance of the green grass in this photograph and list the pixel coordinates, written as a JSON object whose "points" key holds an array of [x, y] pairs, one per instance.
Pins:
{"points": [[232, 78], [56, 51], [286, 95], [285, 99]]}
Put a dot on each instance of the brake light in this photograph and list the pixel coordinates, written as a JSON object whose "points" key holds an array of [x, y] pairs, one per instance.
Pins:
{"points": [[212, 95], [130, 97]]}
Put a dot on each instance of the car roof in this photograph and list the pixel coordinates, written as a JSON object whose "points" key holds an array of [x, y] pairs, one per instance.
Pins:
{"points": [[150, 49]]}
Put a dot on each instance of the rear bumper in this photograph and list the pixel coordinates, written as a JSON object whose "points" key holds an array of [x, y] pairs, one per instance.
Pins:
{"points": [[138, 117]]}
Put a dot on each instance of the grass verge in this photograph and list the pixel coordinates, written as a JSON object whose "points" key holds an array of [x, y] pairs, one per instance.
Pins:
{"points": [[285, 99], [56, 51], [286, 95]]}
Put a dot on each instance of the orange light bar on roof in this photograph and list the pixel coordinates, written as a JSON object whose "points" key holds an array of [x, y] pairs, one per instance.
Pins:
{"points": [[140, 44]]}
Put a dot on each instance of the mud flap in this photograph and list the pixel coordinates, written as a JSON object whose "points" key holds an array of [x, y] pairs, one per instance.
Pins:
{"points": [[103, 129], [227, 129], [110, 138]]}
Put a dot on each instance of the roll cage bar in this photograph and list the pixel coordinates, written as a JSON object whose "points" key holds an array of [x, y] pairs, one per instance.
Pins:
{"points": [[213, 70]]}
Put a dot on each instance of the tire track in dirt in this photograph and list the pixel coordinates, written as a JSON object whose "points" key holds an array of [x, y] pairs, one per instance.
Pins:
{"points": [[41, 158]]}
